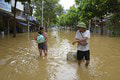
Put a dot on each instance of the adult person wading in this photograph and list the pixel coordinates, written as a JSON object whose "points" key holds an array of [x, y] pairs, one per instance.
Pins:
{"points": [[82, 37]]}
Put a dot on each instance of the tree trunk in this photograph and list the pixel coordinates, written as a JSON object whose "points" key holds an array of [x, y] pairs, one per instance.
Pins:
{"points": [[89, 24], [14, 31], [101, 32], [48, 23]]}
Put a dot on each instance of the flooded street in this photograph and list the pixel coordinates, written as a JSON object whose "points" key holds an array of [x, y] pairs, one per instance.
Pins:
{"points": [[19, 58]]}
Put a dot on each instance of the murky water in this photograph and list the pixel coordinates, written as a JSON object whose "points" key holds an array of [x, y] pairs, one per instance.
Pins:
{"points": [[19, 58]]}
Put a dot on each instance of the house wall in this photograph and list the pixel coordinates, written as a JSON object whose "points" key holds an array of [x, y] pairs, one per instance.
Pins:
{"points": [[19, 5]]}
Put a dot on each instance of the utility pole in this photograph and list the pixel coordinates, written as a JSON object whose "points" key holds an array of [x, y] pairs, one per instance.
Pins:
{"points": [[27, 12], [28, 23], [42, 12]]}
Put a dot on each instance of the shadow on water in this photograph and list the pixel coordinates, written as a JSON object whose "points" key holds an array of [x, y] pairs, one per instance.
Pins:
{"points": [[19, 58]]}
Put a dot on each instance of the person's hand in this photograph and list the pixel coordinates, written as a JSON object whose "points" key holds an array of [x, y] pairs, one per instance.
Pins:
{"points": [[84, 43], [73, 43]]}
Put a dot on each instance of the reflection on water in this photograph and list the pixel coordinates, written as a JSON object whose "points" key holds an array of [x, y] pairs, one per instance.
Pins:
{"points": [[19, 58]]}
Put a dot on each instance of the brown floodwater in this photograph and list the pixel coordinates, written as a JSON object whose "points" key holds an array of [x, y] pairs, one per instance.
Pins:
{"points": [[19, 58]]}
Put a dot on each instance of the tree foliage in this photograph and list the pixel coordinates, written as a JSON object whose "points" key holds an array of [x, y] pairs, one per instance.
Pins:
{"points": [[51, 10], [19, 0], [88, 9], [70, 18], [91, 8]]}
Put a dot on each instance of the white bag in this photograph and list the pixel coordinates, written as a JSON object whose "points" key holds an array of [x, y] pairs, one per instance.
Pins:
{"points": [[72, 56]]}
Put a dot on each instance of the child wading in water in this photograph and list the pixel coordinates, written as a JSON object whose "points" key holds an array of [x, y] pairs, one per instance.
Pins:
{"points": [[82, 37], [42, 41]]}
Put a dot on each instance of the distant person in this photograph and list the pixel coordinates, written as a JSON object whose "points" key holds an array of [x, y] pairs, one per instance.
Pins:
{"points": [[42, 45], [82, 38], [3, 34], [46, 39]]}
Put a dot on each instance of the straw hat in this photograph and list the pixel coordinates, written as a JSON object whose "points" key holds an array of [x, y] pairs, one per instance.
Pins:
{"points": [[81, 25]]}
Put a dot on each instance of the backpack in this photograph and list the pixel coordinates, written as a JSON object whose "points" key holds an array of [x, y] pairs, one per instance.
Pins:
{"points": [[40, 39]]}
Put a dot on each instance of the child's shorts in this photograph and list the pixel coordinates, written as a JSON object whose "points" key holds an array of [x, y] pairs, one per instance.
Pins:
{"points": [[83, 54], [42, 46]]}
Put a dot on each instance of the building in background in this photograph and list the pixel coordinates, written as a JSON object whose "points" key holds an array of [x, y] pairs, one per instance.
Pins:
{"points": [[5, 15], [23, 16]]}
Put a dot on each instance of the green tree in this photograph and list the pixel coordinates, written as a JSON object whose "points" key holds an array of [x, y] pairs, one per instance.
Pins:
{"points": [[97, 8], [62, 20], [51, 10], [59, 10], [70, 18], [113, 23]]}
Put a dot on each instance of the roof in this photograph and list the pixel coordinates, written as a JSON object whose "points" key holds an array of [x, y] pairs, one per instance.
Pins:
{"points": [[5, 13]]}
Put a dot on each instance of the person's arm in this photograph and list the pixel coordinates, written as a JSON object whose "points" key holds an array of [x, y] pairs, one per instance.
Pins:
{"points": [[35, 38], [46, 39], [83, 41], [77, 37], [85, 38], [76, 41], [79, 41], [45, 35]]}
